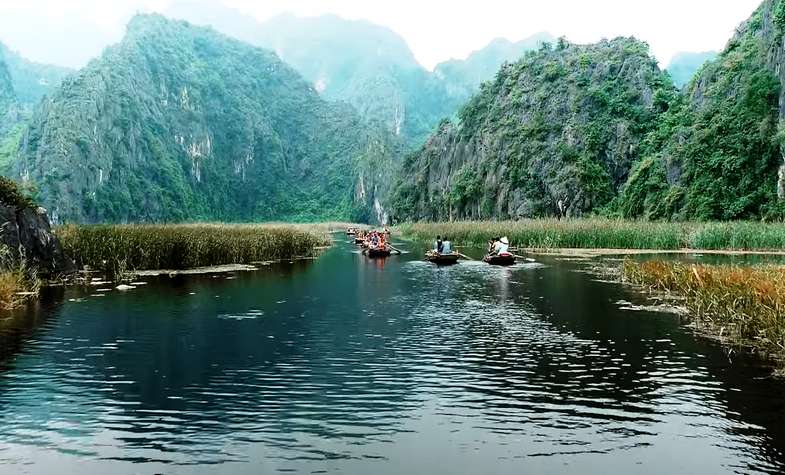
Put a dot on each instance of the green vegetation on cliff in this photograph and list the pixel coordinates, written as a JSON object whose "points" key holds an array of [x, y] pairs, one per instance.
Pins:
{"points": [[180, 123], [717, 152], [564, 125]]}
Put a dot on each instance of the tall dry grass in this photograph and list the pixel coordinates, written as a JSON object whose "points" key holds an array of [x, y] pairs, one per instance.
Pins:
{"points": [[601, 233], [118, 248], [18, 282], [746, 304]]}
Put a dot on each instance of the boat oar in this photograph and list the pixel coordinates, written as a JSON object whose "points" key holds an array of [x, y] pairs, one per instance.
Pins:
{"points": [[464, 256], [396, 250]]}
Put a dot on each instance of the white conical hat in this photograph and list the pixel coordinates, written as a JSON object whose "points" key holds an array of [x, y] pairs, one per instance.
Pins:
{"points": [[505, 241]]}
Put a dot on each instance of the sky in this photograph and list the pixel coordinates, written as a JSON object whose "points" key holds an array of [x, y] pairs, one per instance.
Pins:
{"points": [[71, 32]]}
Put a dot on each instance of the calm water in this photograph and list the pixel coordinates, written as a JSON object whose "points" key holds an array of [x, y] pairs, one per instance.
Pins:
{"points": [[346, 365]]}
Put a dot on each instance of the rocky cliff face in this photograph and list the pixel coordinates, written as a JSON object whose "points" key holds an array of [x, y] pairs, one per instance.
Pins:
{"points": [[181, 123], [717, 154], [25, 234], [555, 133]]}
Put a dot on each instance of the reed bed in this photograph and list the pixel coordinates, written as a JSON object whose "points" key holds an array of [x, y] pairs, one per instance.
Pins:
{"points": [[18, 281], [744, 304], [116, 249], [597, 233]]}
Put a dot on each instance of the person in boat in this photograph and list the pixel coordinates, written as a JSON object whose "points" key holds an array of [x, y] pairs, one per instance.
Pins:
{"points": [[492, 245], [502, 247], [446, 247], [439, 245]]}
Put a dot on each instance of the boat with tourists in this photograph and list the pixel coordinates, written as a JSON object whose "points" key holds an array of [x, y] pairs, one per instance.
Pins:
{"points": [[380, 251], [442, 259], [500, 259], [499, 252]]}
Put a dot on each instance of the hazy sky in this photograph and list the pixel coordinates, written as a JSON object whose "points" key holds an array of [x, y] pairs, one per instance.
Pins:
{"points": [[70, 32]]}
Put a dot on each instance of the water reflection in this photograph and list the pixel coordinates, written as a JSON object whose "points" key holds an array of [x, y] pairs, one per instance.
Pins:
{"points": [[351, 365]]}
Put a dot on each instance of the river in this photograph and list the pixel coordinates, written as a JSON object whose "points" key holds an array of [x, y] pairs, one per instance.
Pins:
{"points": [[356, 366]]}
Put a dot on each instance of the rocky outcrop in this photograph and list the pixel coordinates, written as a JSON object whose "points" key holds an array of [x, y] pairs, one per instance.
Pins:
{"points": [[555, 134], [26, 235]]}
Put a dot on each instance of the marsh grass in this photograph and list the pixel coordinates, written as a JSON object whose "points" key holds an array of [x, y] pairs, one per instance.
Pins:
{"points": [[743, 304], [116, 249], [596, 233], [18, 281]]}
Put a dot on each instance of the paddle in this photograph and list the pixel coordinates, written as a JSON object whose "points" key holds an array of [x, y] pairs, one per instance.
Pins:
{"points": [[396, 249], [464, 256]]}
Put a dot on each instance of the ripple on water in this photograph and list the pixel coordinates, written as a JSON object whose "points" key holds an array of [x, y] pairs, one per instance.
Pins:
{"points": [[343, 372]]}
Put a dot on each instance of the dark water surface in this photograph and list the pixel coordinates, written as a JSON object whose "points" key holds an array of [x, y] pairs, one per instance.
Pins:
{"points": [[346, 365]]}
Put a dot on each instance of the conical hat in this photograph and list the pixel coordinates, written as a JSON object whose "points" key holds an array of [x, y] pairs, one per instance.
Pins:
{"points": [[505, 241]]}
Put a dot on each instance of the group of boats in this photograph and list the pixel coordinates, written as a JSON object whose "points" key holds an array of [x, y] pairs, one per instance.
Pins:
{"points": [[376, 244]]}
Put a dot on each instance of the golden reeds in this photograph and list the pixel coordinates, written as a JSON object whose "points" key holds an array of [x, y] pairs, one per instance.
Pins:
{"points": [[599, 233], [746, 304], [116, 248]]}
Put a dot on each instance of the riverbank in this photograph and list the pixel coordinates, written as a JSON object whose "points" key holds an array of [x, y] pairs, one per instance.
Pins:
{"points": [[608, 234], [742, 306], [121, 249]]}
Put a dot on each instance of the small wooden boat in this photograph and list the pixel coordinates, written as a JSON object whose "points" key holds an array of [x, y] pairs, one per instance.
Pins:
{"points": [[501, 260], [442, 259], [378, 252]]}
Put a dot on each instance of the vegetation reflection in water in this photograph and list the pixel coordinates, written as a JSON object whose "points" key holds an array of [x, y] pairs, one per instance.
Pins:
{"points": [[349, 366]]}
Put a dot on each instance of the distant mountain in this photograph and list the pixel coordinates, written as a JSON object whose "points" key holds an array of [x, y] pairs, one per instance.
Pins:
{"points": [[366, 65], [10, 118], [178, 123], [557, 131], [8, 99], [482, 65], [31, 81], [683, 66]]}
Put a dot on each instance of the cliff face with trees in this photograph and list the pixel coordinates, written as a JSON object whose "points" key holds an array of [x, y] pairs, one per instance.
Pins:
{"points": [[555, 133], [717, 153], [178, 122], [598, 129]]}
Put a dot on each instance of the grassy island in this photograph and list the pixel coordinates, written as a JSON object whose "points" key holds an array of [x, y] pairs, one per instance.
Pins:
{"points": [[118, 248]]}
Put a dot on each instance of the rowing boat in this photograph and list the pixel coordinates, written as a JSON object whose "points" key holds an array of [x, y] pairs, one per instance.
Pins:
{"points": [[442, 259], [501, 260], [378, 252]]}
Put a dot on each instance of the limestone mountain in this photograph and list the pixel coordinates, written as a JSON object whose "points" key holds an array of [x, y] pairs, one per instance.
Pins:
{"points": [[557, 131], [31, 80], [178, 122], [367, 65], [10, 117], [463, 77], [683, 66], [8, 100], [718, 152]]}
